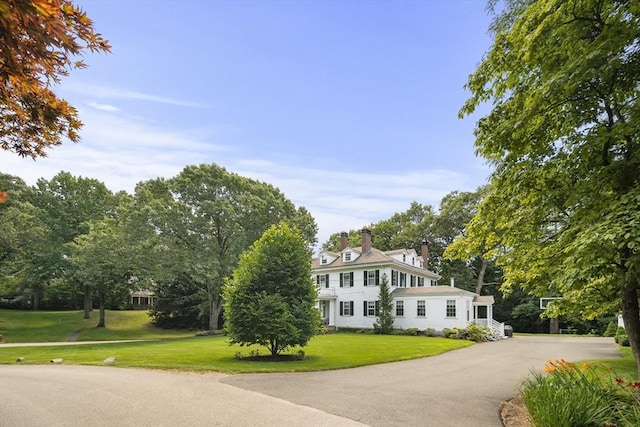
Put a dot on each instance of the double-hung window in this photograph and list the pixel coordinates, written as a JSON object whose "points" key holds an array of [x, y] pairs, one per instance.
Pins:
{"points": [[451, 308], [399, 308], [346, 308], [346, 280], [372, 277], [370, 308], [322, 280], [422, 308], [403, 280], [394, 278]]}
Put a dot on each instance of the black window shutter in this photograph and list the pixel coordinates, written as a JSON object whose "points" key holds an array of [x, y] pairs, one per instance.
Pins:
{"points": [[365, 277], [365, 308], [377, 277], [341, 310], [351, 281], [351, 308], [326, 280], [377, 311], [341, 281], [317, 279]]}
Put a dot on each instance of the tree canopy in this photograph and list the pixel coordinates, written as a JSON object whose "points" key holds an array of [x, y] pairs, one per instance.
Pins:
{"points": [[561, 215], [204, 218], [40, 41], [270, 300]]}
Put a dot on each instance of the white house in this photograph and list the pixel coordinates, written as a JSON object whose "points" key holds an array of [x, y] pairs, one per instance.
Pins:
{"points": [[348, 290]]}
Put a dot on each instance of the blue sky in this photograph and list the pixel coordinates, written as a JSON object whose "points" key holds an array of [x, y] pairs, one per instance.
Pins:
{"points": [[348, 107]]}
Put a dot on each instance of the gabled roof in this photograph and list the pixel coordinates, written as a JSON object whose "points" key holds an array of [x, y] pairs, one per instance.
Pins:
{"points": [[432, 291], [373, 256], [485, 299]]}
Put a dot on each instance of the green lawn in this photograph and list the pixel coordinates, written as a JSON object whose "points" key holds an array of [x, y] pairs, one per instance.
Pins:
{"points": [[332, 351], [19, 326]]}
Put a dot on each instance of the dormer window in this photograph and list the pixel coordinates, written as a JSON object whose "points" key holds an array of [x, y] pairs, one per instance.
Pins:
{"points": [[413, 261], [421, 264], [323, 259], [347, 256], [404, 258]]}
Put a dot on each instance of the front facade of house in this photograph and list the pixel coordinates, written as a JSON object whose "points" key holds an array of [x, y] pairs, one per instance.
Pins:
{"points": [[348, 290]]}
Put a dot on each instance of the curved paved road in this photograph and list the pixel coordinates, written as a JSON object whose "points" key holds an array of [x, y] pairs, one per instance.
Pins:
{"points": [[459, 388]]}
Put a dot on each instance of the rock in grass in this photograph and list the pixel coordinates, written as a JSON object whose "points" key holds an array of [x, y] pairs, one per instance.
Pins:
{"points": [[109, 360], [57, 360], [20, 359]]}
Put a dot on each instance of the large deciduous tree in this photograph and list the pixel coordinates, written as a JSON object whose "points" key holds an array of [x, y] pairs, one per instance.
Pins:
{"points": [[102, 260], [270, 301], [40, 41], [563, 133], [204, 218], [65, 205]]}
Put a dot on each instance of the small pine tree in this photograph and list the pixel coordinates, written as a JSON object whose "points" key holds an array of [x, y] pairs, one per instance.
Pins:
{"points": [[384, 322]]}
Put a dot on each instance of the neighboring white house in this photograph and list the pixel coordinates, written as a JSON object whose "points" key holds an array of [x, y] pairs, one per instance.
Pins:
{"points": [[348, 290]]}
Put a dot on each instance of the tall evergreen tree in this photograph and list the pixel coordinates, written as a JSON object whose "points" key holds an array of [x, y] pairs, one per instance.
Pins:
{"points": [[384, 321]]}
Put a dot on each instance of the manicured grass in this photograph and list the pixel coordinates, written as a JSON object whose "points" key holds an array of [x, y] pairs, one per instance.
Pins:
{"points": [[324, 352], [19, 326], [624, 367]]}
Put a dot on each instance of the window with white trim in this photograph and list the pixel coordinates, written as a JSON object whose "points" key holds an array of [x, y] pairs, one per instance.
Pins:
{"points": [[346, 308], [371, 277], [394, 278], [403, 280], [347, 256], [399, 308], [371, 308], [413, 281], [323, 260], [451, 308], [422, 308], [322, 280], [346, 280], [420, 281]]}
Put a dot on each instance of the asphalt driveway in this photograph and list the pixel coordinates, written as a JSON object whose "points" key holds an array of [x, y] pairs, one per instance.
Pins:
{"points": [[459, 388]]}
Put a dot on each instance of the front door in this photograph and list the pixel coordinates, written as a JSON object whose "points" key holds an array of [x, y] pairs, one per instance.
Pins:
{"points": [[324, 311]]}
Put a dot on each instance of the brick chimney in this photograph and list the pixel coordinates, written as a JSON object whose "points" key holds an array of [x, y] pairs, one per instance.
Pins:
{"points": [[425, 254], [366, 240], [344, 240]]}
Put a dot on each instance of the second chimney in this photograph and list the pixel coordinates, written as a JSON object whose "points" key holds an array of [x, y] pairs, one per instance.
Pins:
{"points": [[425, 254], [366, 240], [344, 240]]}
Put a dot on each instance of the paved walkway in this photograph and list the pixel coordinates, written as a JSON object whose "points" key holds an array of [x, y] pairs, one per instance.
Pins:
{"points": [[459, 388]]}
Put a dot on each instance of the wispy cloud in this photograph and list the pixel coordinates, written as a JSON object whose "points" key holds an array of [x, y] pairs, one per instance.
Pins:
{"points": [[121, 152], [105, 92], [103, 107]]}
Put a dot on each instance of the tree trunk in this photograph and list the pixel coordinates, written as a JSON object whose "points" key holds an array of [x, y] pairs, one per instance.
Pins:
{"points": [[631, 315], [35, 298], [88, 303], [480, 281], [215, 307], [101, 322]]}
